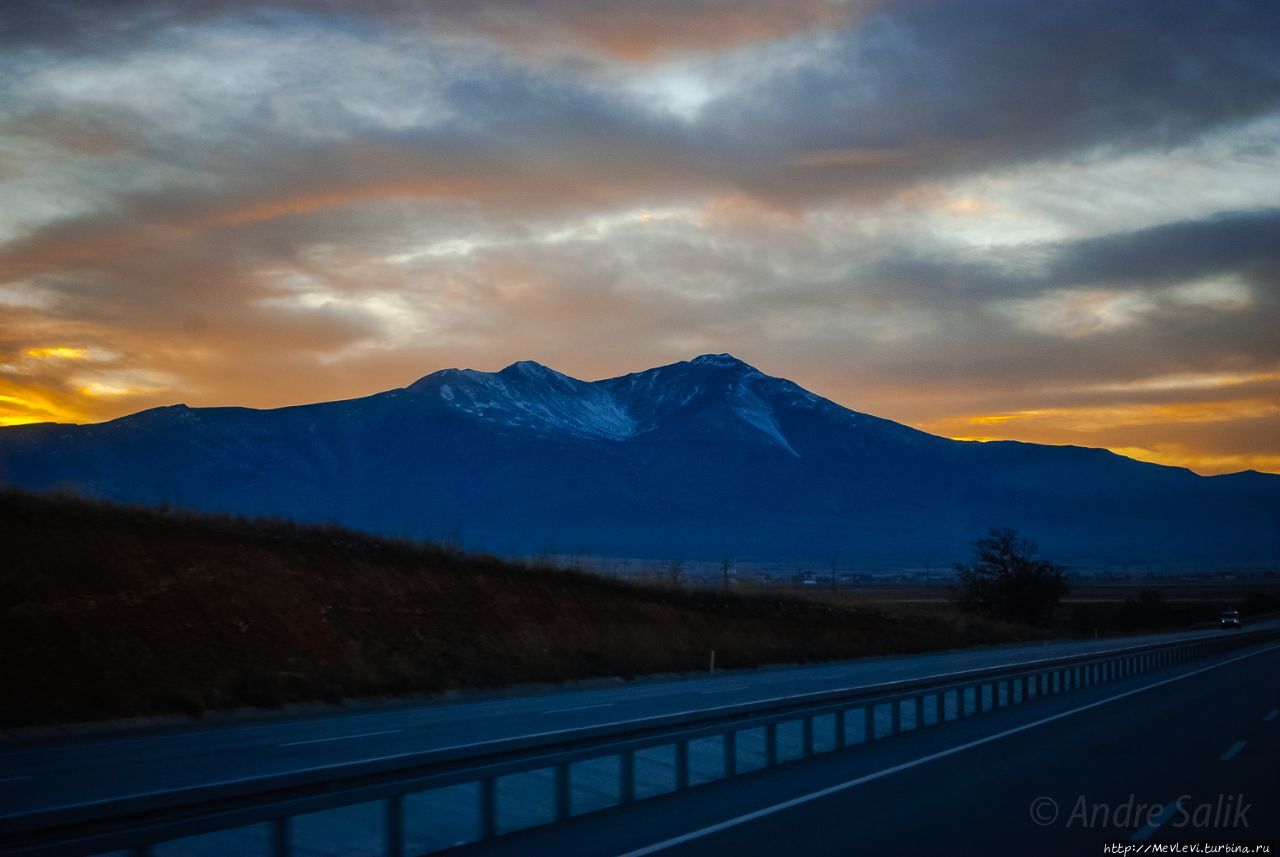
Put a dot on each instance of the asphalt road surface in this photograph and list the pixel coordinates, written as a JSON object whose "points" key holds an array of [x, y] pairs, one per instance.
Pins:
{"points": [[1189, 755], [74, 771]]}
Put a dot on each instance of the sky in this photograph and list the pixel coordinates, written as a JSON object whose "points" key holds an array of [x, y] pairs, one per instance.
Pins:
{"points": [[1052, 222]]}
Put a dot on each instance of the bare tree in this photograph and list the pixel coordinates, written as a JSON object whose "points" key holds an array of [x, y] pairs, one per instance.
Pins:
{"points": [[1006, 579]]}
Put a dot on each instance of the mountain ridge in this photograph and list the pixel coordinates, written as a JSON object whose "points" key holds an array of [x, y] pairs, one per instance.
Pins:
{"points": [[705, 457]]}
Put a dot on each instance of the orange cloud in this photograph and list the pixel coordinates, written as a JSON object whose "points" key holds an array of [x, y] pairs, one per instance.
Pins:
{"points": [[25, 405], [642, 32], [58, 352], [307, 202], [1179, 455], [1104, 418], [1117, 427]]}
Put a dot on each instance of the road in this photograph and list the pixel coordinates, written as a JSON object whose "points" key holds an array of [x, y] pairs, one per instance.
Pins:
{"points": [[76, 771], [1194, 748]]}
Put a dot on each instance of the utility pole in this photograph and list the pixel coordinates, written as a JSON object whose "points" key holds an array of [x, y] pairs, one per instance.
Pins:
{"points": [[724, 572]]}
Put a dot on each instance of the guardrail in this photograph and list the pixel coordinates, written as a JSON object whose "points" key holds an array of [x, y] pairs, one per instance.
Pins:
{"points": [[140, 824]]}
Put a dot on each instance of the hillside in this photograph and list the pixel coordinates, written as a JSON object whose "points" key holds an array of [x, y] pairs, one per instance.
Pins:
{"points": [[112, 612], [698, 459]]}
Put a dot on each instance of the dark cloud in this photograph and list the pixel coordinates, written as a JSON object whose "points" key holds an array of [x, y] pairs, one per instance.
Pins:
{"points": [[938, 88], [1238, 242], [1243, 242], [617, 29]]}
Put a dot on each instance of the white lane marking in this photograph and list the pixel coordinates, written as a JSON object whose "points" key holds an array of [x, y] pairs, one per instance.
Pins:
{"points": [[914, 763], [340, 738], [1148, 830], [14, 779], [1271, 716], [1233, 751], [578, 708], [726, 689]]}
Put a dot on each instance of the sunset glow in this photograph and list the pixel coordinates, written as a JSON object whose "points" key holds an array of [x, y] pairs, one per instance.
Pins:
{"points": [[949, 215], [58, 353]]}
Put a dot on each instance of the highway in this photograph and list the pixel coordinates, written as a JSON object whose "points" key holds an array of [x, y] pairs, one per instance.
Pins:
{"points": [[1194, 749], [73, 771]]}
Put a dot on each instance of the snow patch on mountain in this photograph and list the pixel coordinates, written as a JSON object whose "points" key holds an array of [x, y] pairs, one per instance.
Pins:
{"points": [[529, 396], [717, 391]]}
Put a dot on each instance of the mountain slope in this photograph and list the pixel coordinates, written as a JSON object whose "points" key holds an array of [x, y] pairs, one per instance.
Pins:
{"points": [[707, 458]]}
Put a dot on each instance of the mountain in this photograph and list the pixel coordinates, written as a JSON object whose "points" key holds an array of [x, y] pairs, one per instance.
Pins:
{"points": [[698, 459]]}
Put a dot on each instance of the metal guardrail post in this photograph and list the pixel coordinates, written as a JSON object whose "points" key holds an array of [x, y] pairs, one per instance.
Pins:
{"points": [[393, 840], [281, 837], [806, 745], [919, 712], [626, 776], [488, 808], [895, 717], [563, 792], [682, 765], [841, 743]]}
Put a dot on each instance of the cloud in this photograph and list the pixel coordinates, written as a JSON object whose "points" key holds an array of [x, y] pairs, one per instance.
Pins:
{"points": [[613, 29], [925, 209]]}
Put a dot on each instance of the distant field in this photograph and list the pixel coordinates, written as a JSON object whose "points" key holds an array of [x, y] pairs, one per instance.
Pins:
{"points": [[1087, 592], [110, 612], [1091, 606]]}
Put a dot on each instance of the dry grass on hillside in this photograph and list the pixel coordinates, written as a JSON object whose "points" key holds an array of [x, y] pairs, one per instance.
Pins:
{"points": [[111, 612]]}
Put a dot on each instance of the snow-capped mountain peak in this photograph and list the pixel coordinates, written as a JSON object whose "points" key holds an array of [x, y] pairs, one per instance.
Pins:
{"points": [[722, 361], [712, 394]]}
